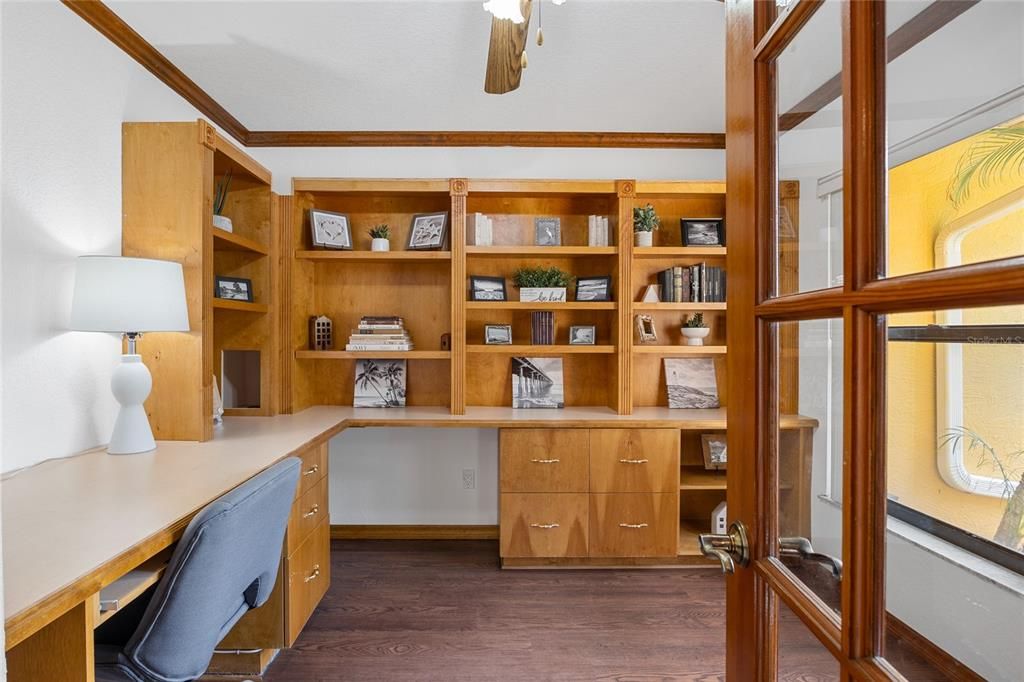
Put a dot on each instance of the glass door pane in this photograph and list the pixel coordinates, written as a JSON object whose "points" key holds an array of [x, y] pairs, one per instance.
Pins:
{"points": [[802, 658]]}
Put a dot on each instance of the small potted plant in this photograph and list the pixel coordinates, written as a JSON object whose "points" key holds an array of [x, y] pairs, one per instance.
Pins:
{"points": [[220, 196], [694, 331], [645, 222], [541, 285], [380, 236]]}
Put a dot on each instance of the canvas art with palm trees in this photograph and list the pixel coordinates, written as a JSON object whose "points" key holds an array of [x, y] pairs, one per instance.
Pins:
{"points": [[379, 383]]}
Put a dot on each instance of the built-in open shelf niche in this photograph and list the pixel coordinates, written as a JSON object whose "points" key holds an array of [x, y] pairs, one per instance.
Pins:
{"points": [[240, 379]]}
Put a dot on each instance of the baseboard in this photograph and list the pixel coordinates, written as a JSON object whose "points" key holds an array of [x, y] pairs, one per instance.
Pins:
{"points": [[396, 532]]}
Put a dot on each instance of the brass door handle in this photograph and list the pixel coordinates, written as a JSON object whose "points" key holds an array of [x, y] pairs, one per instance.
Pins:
{"points": [[311, 470], [730, 548], [632, 525], [312, 511], [634, 461], [544, 526], [314, 575], [545, 461]]}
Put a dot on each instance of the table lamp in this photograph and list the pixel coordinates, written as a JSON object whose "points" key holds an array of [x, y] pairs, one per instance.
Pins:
{"points": [[129, 296]]}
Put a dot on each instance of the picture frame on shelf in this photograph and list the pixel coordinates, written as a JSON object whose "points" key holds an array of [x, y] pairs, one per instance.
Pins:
{"points": [[582, 335], [691, 383], [498, 334], [713, 446], [547, 231], [379, 383], [537, 383], [702, 232], [487, 288], [594, 288], [645, 329], [232, 288], [330, 230], [428, 232]]}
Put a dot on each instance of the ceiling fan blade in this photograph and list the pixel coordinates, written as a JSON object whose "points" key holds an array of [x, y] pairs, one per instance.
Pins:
{"points": [[505, 56]]}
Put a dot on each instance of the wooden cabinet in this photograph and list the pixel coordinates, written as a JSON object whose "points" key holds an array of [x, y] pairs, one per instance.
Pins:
{"points": [[634, 460], [544, 525], [544, 460], [309, 575], [634, 524]]}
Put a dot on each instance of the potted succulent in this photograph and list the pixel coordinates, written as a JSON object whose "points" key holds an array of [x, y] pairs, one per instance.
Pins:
{"points": [[220, 196], [541, 285], [645, 222], [380, 236], [694, 331]]}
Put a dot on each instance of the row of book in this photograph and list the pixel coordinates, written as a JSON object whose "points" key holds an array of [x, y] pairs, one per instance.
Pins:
{"points": [[479, 230], [383, 333], [701, 283], [597, 230], [542, 329]]}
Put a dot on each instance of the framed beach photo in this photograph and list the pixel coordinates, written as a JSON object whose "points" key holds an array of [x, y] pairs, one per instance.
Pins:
{"points": [[428, 232], [487, 288], [715, 453], [498, 334], [379, 383], [594, 288], [708, 232], [330, 230], [547, 231], [582, 335], [232, 288], [692, 383]]}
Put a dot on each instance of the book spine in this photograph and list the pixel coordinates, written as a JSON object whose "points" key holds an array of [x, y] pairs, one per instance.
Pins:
{"points": [[677, 284], [376, 346]]}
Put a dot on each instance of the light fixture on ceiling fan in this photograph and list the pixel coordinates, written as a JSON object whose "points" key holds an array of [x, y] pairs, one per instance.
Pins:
{"points": [[506, 56]]}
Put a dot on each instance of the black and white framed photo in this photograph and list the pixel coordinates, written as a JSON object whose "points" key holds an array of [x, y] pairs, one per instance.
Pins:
{"points": [[330, 230], [379, 383], [715, 453], [232, 288], [498, 334], [428, 232], [582, 335], [537, 383], [547, 231], [487, 288], [646, 332], [708, 232], [594, 288], [691, 383]]}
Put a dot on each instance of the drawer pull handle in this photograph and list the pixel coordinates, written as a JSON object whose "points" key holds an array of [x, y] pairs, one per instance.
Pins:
{"points": [[314, 575], [544, 526], [312, 511], [634, 461], [632, 525], [311, 470], [545, 461]]}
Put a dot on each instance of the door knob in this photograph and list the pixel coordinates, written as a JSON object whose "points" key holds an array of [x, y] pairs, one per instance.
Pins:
{"points": [[802, 549], [729, 548]]}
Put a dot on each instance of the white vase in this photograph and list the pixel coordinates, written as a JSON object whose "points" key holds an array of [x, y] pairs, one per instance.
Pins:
{"points": [[222, 222], [542, 295], [643, 238], [380, 244], [694, 336]]}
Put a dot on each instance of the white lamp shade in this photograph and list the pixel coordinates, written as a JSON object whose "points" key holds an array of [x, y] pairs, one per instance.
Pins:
{"points": [[115, 294]]}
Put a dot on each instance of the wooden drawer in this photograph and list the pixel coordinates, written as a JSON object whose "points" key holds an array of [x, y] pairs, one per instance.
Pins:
{"points": [[544, 460], [309, 575], [544, 525], [634, 460], [634, 524], [307, 513], [314, 467]]}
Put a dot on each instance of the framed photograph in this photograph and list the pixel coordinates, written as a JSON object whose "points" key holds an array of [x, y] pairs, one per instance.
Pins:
{"points": [[537, 383], [498, 334], [379, 383], [330, 230], [709, 232], [691, 383], [547, 231], [232, 288], [487, 288], [594, 288], [429, 232], [582, 335], [713, 446], [645, 331]]}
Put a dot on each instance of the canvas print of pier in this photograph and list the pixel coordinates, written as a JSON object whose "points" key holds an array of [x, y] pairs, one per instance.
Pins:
{"points": [[691, 383], [537, 383]]}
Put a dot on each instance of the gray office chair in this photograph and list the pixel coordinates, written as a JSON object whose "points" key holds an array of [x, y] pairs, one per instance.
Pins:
{"points": [[225, 564]]}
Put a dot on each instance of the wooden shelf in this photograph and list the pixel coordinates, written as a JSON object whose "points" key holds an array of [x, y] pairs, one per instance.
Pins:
{"points": [[674, 251], [229, 241], [678, 350], [513, 349], [374, 255], [534, 251], [243, 306], [689, 529], [517, 305], [372, 354], [699, 478], [679, 306]]}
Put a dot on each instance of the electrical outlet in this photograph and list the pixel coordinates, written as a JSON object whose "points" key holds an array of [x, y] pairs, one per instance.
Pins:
{"points": [[469, 479]]}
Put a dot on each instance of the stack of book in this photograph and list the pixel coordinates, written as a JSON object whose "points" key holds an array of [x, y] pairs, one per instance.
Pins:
{"points": [[597, 230], [379, 333], [479, 230], [699, 283], [542, 331]]}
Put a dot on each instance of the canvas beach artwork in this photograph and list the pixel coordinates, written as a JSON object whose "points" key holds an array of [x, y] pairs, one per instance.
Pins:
{"points": [[537, 383], [379, 383], [691, 383]]}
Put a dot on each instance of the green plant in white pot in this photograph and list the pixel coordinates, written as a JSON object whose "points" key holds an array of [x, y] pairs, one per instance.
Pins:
{"points": [[220, 197], [694, 331], [541, 285], [645, 222], [380, 236]]}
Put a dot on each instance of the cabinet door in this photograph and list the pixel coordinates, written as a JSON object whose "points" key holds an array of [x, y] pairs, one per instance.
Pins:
{"points": [[544, 460], [634, 460], [544, 525], [634, 524], [309, 575], [308, 511]]}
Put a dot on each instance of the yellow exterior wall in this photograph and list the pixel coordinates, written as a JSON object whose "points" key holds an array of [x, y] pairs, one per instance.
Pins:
{"points": [[993, 375]]}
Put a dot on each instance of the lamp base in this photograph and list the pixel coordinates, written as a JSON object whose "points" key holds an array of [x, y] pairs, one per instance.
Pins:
{"points": [[131, 384]]}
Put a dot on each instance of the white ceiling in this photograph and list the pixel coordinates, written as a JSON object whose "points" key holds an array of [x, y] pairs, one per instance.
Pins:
{"points": [[615, 65]]}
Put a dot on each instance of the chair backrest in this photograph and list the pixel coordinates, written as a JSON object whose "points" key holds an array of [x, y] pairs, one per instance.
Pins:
{"points": [[225, 564]]}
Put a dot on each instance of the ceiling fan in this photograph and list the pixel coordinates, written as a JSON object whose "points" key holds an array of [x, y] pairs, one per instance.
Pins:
{"points": [[506, 57]]}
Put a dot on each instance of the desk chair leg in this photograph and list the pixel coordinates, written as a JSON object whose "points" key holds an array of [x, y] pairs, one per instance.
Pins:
{"points": [[61, 652]]}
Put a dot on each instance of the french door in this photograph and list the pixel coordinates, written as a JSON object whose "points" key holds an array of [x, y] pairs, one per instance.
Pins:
{"points": [[807, 104]]}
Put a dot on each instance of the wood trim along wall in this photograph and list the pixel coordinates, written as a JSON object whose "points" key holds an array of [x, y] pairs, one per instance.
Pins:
{"points": [[938, 658], [396, 532], [104, 20]]}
